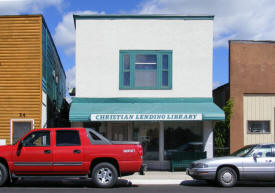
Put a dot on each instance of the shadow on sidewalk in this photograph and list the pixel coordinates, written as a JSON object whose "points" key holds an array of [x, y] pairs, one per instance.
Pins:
{"points": [[65, 183]]}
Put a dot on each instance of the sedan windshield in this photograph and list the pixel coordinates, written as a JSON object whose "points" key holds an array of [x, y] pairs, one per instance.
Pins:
{"points": [[243, 151]]}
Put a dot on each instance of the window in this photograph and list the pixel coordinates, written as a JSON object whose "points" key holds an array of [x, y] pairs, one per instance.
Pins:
{"points": [[145, 69], [186, 136], [258, 127], [39, 138], [94, 137], [67, 138], [20, 128], [262, 151]]}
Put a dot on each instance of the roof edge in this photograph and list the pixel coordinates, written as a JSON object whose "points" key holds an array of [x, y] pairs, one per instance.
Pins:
{"points": [[142, 100], [23, 15], [143, 16], [252, 41]]}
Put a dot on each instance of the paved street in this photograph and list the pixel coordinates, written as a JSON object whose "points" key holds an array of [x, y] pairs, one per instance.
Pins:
{"points": [[83, 186]]}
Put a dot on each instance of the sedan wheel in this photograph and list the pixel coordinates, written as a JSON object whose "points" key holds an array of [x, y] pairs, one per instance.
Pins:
{"points": [[104, 175], [227, 177]]}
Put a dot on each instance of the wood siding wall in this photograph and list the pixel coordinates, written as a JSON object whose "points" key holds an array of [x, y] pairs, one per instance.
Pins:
{"points": [[20, 71], [259, 107]]}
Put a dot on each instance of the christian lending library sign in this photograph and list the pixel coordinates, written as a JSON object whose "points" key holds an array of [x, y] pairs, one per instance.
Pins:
{"points": [[146, 117]]}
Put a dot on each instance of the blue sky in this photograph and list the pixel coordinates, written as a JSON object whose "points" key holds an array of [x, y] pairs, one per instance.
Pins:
{"points": [[234, 19]]}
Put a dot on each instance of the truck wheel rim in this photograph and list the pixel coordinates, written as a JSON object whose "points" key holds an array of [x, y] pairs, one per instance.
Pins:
{"points": [[104, 175], [227, 177]]}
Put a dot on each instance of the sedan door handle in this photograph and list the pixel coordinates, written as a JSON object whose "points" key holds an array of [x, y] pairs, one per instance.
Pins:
{"points": [[47, 151], [77, 151]]}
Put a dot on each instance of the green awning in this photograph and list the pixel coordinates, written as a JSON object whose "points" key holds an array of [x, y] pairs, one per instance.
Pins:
{"points": [[143, 109]]}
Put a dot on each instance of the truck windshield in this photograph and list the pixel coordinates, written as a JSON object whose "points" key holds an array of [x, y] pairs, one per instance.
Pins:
{"points": [[243, 151]]}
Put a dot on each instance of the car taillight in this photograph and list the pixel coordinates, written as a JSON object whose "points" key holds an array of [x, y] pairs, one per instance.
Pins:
{"points": [[140, 150]]}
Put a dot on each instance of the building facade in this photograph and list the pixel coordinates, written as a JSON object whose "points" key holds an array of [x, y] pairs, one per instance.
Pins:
{"points": [[32, 79], [252, 69], [147, 78]]}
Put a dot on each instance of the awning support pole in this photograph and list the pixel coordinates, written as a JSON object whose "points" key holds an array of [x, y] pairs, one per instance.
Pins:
{"points": [[161, 141]]}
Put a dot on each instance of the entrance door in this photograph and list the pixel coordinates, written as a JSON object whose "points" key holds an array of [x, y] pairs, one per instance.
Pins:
{"points": [[119, 131], [20, 128], [148, 135]]}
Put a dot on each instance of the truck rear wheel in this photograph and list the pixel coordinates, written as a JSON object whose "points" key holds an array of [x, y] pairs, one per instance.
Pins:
{"points": [[3, 174], [104, 175]]}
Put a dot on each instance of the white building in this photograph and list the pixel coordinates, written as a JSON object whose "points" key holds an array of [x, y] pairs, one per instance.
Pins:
{"points": [[147, 78]]}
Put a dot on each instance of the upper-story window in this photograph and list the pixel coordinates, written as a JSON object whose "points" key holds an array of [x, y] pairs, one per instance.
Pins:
{"points": [[145, 69]]}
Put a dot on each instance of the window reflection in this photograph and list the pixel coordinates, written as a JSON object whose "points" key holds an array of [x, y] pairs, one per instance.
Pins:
{"points": [[182, 137]]}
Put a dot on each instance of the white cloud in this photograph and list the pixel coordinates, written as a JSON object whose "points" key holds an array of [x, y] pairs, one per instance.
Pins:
{"points": [[65, 32], [13, 7], [234, 19], [70, 78], [70, 82]]}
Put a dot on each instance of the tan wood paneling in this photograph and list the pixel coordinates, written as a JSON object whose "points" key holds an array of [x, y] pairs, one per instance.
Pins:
{"points": [[20, 70], [259, 107]]}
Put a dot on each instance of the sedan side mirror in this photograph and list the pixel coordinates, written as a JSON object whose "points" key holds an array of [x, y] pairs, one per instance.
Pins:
{"points": [[256, 155]]}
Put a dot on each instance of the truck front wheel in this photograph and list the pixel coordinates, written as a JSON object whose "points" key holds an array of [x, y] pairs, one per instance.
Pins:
{"points": [[104, 175], [3, 174]]}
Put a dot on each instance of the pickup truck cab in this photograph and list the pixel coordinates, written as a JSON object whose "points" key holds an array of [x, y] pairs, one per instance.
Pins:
{"points": [[70, 152]]}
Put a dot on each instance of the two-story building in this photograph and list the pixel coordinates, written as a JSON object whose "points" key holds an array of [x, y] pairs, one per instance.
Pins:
{"points": [[147, 78], [32, 78]]}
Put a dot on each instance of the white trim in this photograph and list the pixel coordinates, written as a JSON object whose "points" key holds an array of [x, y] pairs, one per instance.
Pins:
{"points": [[19, 120], [145, 63], [146, 117]]}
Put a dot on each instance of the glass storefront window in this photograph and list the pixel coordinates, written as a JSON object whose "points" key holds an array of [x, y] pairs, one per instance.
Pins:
{"points": [[120, 131], [182, 136], [148, 134]]}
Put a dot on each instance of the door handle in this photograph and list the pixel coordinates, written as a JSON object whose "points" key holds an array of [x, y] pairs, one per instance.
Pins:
{"points": [[47, 151], [77, 151]]}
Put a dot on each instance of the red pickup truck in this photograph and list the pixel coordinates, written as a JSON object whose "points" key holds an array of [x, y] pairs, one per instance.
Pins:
{"points": [[70, 152]]}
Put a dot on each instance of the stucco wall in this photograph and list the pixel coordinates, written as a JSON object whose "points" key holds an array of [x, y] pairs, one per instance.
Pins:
{"points": [[98, 43]]}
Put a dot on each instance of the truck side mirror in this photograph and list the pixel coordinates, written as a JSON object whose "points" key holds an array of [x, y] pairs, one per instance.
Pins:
{"points": [[20, 145]]}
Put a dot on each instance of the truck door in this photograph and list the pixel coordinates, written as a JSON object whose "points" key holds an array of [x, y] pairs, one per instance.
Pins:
{"points": [[68, 152], [33, 155]]}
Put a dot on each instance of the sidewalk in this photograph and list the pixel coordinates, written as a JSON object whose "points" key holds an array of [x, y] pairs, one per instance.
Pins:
{"points": [[158, 177]]}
